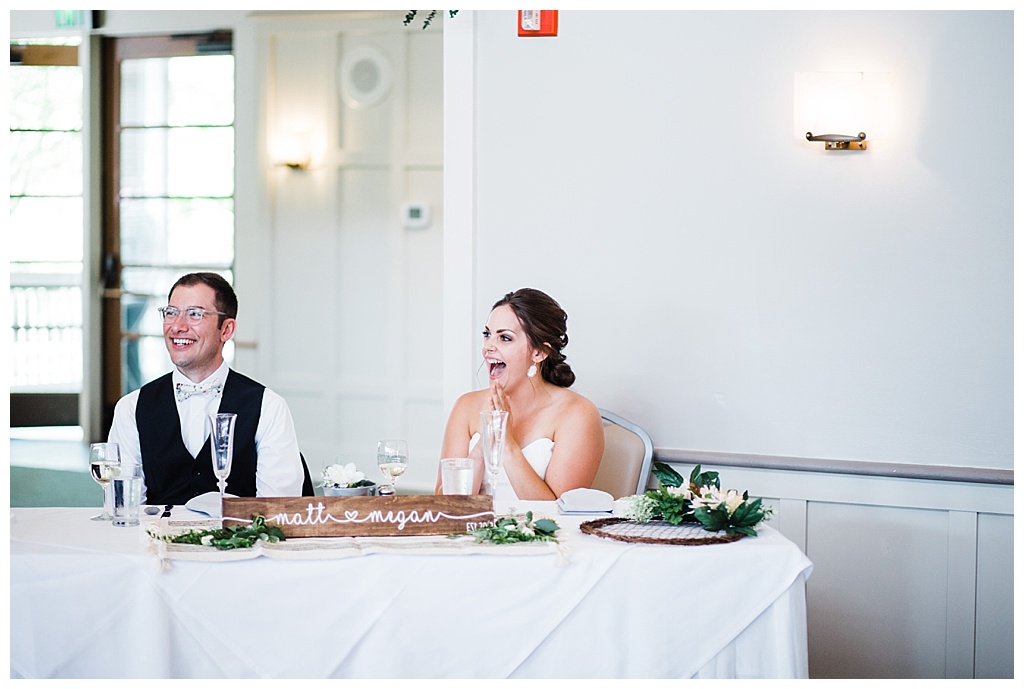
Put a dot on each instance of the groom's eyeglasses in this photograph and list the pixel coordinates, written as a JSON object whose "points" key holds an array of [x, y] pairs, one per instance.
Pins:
{"points": [[193, 314]]}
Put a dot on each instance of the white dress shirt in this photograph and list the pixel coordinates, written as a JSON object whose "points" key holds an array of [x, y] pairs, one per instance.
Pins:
{"points": [[278, 469]]}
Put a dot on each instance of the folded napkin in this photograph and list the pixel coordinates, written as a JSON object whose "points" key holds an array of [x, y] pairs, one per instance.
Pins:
{"points": [[585, 500], [207, 503]]}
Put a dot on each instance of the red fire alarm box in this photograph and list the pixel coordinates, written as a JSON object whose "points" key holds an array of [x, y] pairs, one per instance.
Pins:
{"points": [[538, 22]]}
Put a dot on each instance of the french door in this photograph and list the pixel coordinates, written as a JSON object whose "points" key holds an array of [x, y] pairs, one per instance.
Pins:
{"points": [[168, 190]]}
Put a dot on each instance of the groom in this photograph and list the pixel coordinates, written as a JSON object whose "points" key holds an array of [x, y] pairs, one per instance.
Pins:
{"points": [[164, 425]]}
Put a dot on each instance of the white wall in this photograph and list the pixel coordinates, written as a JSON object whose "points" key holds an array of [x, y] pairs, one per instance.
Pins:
{"points": [[754, 301], [733, 288]]}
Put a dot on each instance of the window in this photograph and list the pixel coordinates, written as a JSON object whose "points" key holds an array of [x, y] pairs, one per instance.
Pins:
{"points": [[170, 157], [45, 232]]}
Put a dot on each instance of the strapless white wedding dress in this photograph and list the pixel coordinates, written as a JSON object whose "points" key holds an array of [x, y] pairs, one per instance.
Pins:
{"points": [[537, 453]]}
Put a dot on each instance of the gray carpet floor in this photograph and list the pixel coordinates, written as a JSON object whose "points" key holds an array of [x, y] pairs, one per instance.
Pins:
{"points": [[32, 487], [52, 473]]}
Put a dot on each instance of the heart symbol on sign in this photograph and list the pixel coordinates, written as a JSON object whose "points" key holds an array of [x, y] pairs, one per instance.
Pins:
{"points": [[351, 515]]}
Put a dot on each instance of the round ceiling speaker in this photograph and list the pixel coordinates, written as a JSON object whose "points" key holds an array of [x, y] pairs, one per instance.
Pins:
{"points": [[366, 76]]}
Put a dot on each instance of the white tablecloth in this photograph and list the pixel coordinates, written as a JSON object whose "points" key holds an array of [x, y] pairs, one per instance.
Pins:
{"points": [[87, 601]]}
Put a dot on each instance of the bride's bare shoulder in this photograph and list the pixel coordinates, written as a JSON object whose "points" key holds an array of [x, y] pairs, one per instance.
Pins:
{"points": [[470, 402], [576, 403]]}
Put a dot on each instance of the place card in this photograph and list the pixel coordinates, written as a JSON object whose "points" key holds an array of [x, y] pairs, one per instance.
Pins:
{"points": [[400, 515]]}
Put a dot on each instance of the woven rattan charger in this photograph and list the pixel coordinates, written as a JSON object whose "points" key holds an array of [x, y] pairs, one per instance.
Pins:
{"points": [[656, 531]]}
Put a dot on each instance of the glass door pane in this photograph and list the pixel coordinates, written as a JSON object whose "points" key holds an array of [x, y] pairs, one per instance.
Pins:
{"points": [[174, 207]]}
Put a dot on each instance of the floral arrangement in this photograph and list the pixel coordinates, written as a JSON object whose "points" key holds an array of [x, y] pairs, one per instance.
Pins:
{"points": [[701, 499], [343, 476], [516, 528], [230, 537]]}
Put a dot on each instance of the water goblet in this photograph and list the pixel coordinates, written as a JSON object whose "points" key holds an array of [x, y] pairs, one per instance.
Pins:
{"points": [[104, 465], [222, 447], [493, 425], [392, 459]]}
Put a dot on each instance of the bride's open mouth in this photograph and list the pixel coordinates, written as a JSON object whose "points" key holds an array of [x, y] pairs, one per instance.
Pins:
{"points": [[495, 368]]}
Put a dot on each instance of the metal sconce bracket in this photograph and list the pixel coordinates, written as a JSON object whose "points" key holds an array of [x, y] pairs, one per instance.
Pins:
{"points": [[841, 142]]}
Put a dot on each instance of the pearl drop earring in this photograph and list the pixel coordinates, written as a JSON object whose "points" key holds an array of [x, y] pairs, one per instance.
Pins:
{"points": [[532, 371]]}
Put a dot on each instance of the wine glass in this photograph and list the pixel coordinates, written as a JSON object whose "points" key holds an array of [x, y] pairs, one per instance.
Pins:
{"points": [[493, 425], [392, 458], [222, 447], [104, 465]]}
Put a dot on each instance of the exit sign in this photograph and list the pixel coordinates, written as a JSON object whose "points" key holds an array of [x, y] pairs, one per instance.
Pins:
{"points": [[69, 19]]}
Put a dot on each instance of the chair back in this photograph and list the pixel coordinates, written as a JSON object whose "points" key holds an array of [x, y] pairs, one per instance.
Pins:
{"points": [[307, 481], [628, 452]]}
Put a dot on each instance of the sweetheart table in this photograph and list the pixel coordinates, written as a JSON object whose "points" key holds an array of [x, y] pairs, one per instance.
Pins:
{"points": [[91, 601]]}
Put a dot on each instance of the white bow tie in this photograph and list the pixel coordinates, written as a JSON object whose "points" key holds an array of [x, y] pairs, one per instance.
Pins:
{"points": [[185, 390]]}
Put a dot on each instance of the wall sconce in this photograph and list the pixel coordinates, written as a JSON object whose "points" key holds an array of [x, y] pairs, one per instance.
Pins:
{"points": [[841, 109], [292, 151]]}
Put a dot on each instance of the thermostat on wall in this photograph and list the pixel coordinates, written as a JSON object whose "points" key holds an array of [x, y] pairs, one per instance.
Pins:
{"points": [[416, 216]]}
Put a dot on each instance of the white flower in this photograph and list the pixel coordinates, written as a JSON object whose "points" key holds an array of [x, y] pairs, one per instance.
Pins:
{"points": [[206, 540], [733, 499], [712, 498], [709, 497], [341, 476], [680, 492]]}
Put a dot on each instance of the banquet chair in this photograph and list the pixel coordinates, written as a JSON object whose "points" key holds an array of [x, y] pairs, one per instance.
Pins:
{"points": [[628, 452], [307, 482]]}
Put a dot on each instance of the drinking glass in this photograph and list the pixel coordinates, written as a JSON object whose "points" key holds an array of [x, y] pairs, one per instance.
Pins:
{"points": [[392, 459], [127, 491], [222, 447], [457, 476], [104, 465], [493, 425]]}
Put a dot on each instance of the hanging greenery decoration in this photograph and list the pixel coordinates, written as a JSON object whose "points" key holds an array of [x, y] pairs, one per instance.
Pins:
{"points": [[410, 16]]}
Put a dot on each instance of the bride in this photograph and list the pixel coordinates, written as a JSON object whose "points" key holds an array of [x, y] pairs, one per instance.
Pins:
{"points": [[555, 438]]}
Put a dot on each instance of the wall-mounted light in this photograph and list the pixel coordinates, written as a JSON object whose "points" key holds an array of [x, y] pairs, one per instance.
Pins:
{"points": [[841, 109], [839, 142], [292, 151]]}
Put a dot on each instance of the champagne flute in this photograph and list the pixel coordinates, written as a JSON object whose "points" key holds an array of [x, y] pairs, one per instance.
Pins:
{"points": [[392, 459], [222, 447], [104, 465], [493, 425]]}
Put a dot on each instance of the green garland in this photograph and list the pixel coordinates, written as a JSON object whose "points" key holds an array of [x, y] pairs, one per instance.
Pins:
{"points": [[411, 15], [516, 529], [699, 500], [229, 537]]}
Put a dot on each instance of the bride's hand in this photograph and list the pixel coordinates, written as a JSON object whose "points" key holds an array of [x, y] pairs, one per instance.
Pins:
{"points": [[498, 401]]}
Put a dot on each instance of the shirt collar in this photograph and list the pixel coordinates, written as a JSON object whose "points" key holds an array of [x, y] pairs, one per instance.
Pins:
{"points": [[218, 376]]}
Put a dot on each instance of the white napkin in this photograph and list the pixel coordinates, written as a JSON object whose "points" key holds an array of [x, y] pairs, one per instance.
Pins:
{"points": [[207, 503], [585, 500]]}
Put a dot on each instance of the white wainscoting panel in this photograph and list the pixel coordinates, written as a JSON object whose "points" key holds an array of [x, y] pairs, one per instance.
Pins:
{"points": [[351, 333], [913, 578], [993, 654]]}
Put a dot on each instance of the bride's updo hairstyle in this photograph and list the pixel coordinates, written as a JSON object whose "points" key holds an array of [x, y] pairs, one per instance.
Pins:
{"points": [[543, 321]]}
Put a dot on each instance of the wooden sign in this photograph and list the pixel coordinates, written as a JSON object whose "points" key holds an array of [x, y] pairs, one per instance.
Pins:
{"points": [[403, 515]]}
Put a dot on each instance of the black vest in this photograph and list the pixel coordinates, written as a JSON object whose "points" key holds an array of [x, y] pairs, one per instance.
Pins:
{"points": [[173, 476]]}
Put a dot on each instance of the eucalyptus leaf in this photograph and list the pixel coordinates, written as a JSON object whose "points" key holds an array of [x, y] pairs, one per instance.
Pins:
{"points": [[547, 526], [514, 528], [231, 537]]}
